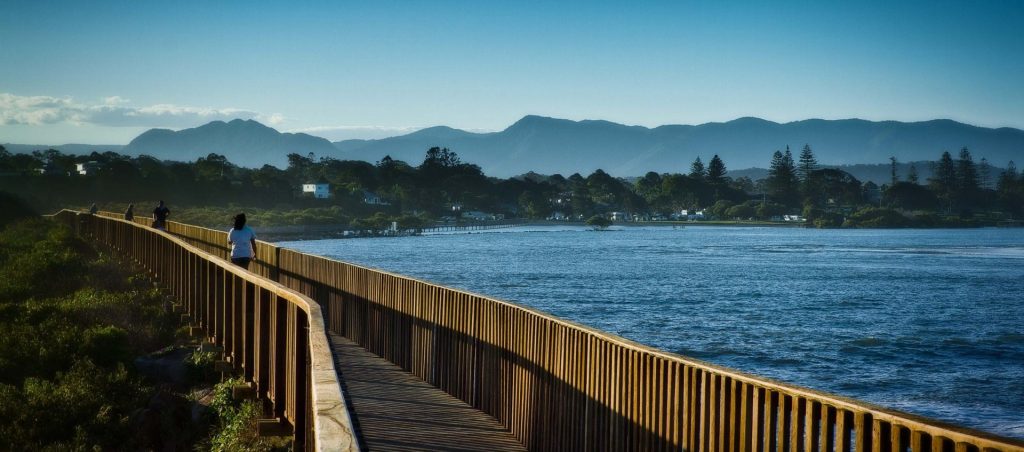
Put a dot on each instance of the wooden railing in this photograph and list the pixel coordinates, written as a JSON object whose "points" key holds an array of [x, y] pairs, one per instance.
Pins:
{"points": [[273, 336], [558, 385]]}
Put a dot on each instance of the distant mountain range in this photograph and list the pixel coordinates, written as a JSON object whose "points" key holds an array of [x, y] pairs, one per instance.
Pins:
{"points": [[244, 142], [550, 145]]}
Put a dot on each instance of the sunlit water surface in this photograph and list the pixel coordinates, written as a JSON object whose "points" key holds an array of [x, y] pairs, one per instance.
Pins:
{"points": [[925, 321]]}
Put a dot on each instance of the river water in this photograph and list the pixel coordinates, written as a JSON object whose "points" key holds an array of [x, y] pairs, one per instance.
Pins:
{"points": [[925, 321]]}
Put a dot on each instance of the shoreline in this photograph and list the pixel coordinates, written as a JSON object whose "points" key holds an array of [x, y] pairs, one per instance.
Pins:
{"points": [[339, 231]]}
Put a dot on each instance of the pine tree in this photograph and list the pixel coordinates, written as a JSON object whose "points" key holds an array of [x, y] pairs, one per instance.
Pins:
{"points": [[1008, 179], [697, 169], [912, 174], [944, 180], [967, 179], [716, 170], [984, 174], [807, 163], [783, 183], [892, 170]]}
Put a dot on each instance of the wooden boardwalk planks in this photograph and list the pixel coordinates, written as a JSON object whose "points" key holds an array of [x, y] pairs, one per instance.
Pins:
{"points": [[396, 411]]}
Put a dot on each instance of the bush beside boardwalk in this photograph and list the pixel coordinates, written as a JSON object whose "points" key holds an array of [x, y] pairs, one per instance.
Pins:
{"points": [[88, 354]]}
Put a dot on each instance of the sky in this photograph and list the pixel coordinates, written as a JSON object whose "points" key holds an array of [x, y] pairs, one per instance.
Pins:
{"points": [[103, 72]]}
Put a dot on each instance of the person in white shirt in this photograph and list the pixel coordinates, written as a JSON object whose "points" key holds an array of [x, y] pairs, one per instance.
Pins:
{"points": [[243, 242]]}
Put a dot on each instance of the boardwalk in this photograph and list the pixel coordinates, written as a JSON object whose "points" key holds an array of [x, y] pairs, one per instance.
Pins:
{"points": [[549, 384], [394, 410]]}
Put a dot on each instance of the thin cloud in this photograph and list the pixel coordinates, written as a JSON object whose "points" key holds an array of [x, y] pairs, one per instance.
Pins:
{"points": [[113, 112]]}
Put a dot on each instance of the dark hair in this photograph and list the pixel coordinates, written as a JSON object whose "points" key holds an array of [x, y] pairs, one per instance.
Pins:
{"points": [[239, 221]]}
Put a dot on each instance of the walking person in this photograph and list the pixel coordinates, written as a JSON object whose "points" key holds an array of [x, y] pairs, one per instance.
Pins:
{"points": [[93, 209], [129, 214], [160, 214], [243, 242]]}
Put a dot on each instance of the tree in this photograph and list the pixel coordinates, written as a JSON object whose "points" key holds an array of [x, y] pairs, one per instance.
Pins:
{"points": [[1010, 190], [944, 180], [697, 170], [212, 168], [912, 174], [716, 171], [807, 162], [984, 174], [1008, 179], [649, 186], [741, 211], [834, 187], [783, 184], [598, 222], [910, 196], [441, 157], [892, 169], [967, 190]]}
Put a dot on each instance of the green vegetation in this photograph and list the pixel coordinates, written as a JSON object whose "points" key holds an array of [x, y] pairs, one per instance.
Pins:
{"points": [[369, 197], [89, 352], [73, 323], [235, 423], [599, 223]]}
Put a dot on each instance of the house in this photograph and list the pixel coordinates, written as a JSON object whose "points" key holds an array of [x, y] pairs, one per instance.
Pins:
{"points": [[557, 216], [320, 190], [792, 218], [87, 168], [372, 199], [618, 216]]}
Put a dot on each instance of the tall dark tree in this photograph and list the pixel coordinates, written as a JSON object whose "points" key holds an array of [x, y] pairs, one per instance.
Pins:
{"points": [[892, 171], [944, 180], [912, 176], [716, 171], [783, 183], [967, 180], [807, 162], [1008, 179], [984, 174], [697, 170], [1010, 191]]}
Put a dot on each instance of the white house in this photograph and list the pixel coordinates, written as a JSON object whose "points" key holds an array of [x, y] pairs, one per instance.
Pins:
{"points": [[318, 190], [87, 168], [618, 216], [557, 216]]}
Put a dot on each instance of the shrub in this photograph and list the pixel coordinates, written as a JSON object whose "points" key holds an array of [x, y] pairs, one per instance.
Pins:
{"points": [[236, 422]]}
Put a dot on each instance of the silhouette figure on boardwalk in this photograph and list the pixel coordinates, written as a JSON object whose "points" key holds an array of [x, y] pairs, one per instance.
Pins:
{"points": [[129, 213], [243, 242], [160, 214]]}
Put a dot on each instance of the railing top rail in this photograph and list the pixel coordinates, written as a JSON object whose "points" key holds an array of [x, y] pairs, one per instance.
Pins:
{"points": [[333, 425]]}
